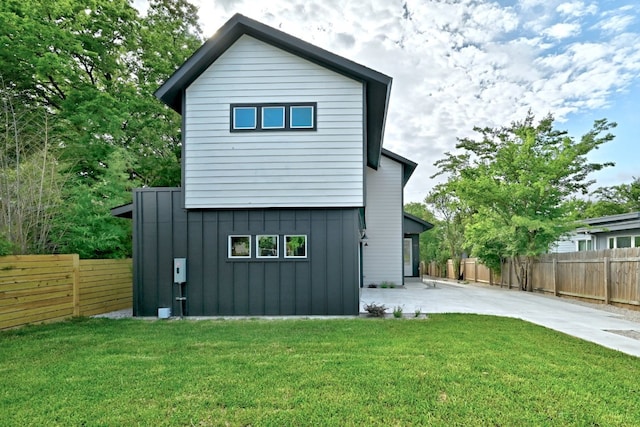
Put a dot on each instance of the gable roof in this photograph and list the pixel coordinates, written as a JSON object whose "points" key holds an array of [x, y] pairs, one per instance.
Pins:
{"points": [[408, 166], [377, 86], [414, 225]]}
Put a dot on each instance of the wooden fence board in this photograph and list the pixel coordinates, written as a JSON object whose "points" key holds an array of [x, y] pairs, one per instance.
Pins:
{"points": [[610, 275], [46, 288]]}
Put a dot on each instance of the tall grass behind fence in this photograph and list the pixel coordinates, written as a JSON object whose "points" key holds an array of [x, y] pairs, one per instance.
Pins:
{"points": [[48, 288]]}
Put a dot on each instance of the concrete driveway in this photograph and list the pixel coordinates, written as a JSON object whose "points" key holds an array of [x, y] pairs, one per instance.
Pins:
{"points": [[555, 313]]}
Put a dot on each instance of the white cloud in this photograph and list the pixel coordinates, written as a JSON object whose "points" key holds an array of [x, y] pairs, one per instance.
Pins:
{"points": [[577, 9], [563, 30]]}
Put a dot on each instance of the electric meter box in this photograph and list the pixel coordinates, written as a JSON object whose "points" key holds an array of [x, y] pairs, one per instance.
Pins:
{"points": [[179, 270]]}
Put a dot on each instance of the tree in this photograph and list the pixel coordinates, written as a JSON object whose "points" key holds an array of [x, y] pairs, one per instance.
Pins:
{"points": [[516, 181], [451, 226], [30, 184], [94, 65], [618, 199]]}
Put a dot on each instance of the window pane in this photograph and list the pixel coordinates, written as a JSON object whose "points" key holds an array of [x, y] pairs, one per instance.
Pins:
{"points": [[589, 245], [612, 242], [244, 118], [296, 246], [637, 242], [582, 244], [267, 246], [272, 117], [624, 242], [302, 117], [239, 246]]}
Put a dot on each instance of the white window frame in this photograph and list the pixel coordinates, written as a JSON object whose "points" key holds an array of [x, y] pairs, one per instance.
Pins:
{"points": [[229, 248], [306, 246], [274, 107], [277, 255], [588, 245], [255, 117], [614, 239], [291, 108]]}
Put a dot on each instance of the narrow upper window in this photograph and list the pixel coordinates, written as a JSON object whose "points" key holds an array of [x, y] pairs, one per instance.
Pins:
{"points": [[295, 246], [267, 246], [239, 246], [245, 118], [302, 117], [272, 117]]}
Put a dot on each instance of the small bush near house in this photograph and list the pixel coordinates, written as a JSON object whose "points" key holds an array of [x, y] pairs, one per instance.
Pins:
{"points": [[375, 310], [397, 311]]}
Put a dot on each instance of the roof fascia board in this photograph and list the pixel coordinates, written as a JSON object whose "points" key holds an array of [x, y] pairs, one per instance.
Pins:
{"points": [[408, 166]]}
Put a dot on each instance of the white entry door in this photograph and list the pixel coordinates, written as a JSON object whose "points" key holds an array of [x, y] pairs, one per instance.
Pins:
{"points": [[408, 258]]}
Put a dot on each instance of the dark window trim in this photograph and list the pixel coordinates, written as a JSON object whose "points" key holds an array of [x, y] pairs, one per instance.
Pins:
{"points": [[287, 116]]}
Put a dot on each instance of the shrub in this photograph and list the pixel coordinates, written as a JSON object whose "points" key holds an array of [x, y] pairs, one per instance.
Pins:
{"points": [[397, 311], [375, 310]]}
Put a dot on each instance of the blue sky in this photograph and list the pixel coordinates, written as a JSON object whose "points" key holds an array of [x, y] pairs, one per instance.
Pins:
{"points": [[457, 64]]}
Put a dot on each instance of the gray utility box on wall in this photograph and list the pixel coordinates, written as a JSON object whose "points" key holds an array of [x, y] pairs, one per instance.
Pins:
{"points": [[179, 270]]}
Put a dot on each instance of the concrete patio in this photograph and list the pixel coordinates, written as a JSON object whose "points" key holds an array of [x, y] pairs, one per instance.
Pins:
{"points": [[560, 314]]}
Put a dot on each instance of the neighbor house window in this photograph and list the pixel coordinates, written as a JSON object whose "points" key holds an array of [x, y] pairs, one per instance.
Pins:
{"points": [[273, 117], [295, 246], [585, 245], [624, 242], [239, 246], [302, 117], [267, 246], [245, 118]]}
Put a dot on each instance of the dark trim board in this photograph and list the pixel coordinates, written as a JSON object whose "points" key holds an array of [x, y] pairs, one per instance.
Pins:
{"points": [[324, 283]]}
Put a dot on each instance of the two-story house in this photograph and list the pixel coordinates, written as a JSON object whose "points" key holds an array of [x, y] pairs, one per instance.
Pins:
{"points": [[288, 204]]}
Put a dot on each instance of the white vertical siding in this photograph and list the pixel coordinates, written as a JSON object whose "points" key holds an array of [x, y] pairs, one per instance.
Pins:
{"points": [[321, 168], [382, 257]]}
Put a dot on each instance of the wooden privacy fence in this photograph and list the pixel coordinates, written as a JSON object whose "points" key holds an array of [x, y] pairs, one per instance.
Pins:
{"points": [[472, 270], [609, 276], [47, 288]]}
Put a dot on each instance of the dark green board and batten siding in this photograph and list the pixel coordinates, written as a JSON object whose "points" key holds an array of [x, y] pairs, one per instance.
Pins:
{"points": [[324, 283]]}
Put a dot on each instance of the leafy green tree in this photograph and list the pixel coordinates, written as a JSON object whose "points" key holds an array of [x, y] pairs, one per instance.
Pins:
{"points": [[85, 224], [516, 181], [616, 199], [94, 65], [453, 217]]}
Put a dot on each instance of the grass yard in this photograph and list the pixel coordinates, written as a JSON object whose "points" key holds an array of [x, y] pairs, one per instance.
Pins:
{"points": [[446, 370]]}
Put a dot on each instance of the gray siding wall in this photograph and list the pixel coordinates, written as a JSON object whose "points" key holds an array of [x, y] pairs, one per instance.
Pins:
{"points": [[321, 168], [382, 257], [602, 239], [325, 283]]}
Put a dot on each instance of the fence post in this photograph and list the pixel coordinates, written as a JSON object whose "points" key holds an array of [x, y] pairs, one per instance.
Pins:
{"points": [[607, 266], [475, 270], [76, 284], [555, 277]]}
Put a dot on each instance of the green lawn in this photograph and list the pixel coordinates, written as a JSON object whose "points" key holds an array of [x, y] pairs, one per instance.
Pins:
{"points": [[446, 370]]}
